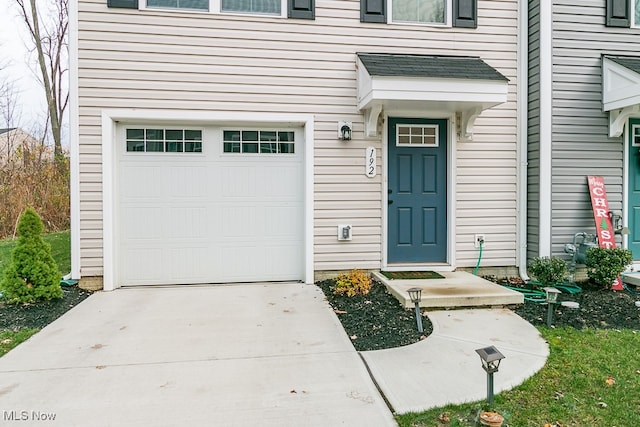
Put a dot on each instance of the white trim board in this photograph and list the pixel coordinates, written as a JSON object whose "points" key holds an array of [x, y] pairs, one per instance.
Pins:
{"points": [[111, 117], [546, 130], [451, 190], [74, 142]]}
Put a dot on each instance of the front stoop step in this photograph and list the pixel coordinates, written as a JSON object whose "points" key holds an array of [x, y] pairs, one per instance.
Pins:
{"points": [[458, 289]]}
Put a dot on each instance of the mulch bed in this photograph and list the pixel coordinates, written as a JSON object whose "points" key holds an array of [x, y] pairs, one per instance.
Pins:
{"points": [[377, 320], [599, 308], [39, 315]]}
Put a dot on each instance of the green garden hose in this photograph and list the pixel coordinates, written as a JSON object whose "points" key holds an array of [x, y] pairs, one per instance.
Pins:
{"points": [[475, 270]]}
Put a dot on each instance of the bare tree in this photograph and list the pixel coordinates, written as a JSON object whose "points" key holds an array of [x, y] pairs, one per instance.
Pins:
{"points": [[9, 115], [49, 37]]}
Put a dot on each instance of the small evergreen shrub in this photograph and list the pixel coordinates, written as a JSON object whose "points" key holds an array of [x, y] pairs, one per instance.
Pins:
{"points": [[32, 275], [356, 282], [548, 270], [604, 265]]}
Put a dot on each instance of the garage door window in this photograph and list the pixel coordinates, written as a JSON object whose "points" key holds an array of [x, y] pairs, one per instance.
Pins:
{"points": [[258, 141], [164, 140]]}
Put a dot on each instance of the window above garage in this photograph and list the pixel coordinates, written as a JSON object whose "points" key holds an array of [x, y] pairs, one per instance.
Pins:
{"points": [[301, 9]]}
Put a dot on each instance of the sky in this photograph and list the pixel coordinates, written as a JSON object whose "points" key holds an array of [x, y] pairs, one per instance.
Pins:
{"points": [[14, 52]]}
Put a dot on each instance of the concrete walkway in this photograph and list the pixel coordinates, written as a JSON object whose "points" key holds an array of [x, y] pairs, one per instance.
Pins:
{"points": [[239, 355], [444, 368]]}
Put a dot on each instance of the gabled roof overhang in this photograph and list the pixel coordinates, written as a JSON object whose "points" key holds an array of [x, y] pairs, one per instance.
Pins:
{"points": [[620, 90], [455, 84]]}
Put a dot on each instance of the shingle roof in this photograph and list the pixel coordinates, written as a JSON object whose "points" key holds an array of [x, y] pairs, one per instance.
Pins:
{"points": [[5, 130], [630, 62], [438, 66]]}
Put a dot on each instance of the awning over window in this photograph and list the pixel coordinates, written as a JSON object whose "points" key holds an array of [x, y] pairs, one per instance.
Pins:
{"points": [[456, 84], [620, 90]]}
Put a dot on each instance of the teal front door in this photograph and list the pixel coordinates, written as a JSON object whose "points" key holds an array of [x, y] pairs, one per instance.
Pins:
{"points": [[417, 191], [634, 188]]}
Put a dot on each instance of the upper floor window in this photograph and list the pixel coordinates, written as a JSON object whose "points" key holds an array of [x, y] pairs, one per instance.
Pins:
{"points": [[272, 7], [454, 13], [622, 13], [419, 11], [262, 7], [179, 4]]}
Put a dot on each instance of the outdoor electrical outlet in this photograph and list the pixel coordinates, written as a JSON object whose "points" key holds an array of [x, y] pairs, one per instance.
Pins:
{"points": [[344, 232], [478, 239]]}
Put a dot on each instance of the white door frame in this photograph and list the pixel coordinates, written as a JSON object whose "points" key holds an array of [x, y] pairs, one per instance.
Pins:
{"points": [[110, 118], [451, 188]]}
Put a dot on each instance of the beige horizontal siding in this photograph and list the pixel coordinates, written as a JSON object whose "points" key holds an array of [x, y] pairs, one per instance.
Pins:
{"points": [[210, 62]]}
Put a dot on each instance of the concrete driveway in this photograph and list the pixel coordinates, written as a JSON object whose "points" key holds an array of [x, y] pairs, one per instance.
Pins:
{"points": [[236, 355]]}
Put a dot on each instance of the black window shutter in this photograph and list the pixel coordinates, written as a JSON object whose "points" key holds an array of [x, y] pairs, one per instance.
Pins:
{"points": [[126, 4], [465, 13], [373, 11], [618, 13], [302, 9]]}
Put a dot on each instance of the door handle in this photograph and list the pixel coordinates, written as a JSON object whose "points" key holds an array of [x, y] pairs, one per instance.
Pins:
{"points": [[389, 191], [390, 202]]}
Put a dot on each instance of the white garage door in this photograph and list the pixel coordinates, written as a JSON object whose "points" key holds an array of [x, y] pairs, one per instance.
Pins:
{"points": [[209, 205]]}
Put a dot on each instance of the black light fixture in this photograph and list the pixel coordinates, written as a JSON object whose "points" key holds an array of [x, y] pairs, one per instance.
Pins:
{"points": [[415, 294], [345, 130], [491, 358], [552, 299]]}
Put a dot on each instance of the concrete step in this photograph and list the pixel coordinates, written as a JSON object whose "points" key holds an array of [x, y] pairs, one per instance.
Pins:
{"points": [[458, 289]]}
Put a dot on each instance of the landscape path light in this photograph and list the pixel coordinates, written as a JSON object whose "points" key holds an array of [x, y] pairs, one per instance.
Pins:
{"points": [[415, 294], [552, 299], [491, 358]]}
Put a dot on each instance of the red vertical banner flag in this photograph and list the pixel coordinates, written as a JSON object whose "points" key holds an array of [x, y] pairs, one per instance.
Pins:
{"points": [[604, 228]]}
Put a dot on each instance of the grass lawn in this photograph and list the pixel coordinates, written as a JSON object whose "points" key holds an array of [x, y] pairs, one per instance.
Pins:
{"points": [[592, 378], [10, 339], [60, 250]]}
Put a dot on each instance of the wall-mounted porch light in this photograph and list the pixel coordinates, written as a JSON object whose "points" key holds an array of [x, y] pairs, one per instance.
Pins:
{"points": [[345, 130], [490, 357], [415, 295]]}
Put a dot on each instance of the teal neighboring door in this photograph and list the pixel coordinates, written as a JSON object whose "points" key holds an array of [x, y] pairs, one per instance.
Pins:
{"points": [[417, 191], [634, 188]]}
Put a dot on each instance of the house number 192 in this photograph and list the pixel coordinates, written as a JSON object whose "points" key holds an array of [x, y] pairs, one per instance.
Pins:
{"points": [[370, 161]]}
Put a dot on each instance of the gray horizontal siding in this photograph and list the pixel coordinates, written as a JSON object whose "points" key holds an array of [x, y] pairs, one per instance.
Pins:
{"points": [[581, 145]]}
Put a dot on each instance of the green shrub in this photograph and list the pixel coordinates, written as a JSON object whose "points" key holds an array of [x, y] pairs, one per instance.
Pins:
{"points": [[604, 265], [357, 282], [32, 274], [548, 270]]}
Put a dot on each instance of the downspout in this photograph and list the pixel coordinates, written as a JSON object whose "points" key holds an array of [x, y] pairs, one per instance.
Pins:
{"points": [[521, 136]]}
